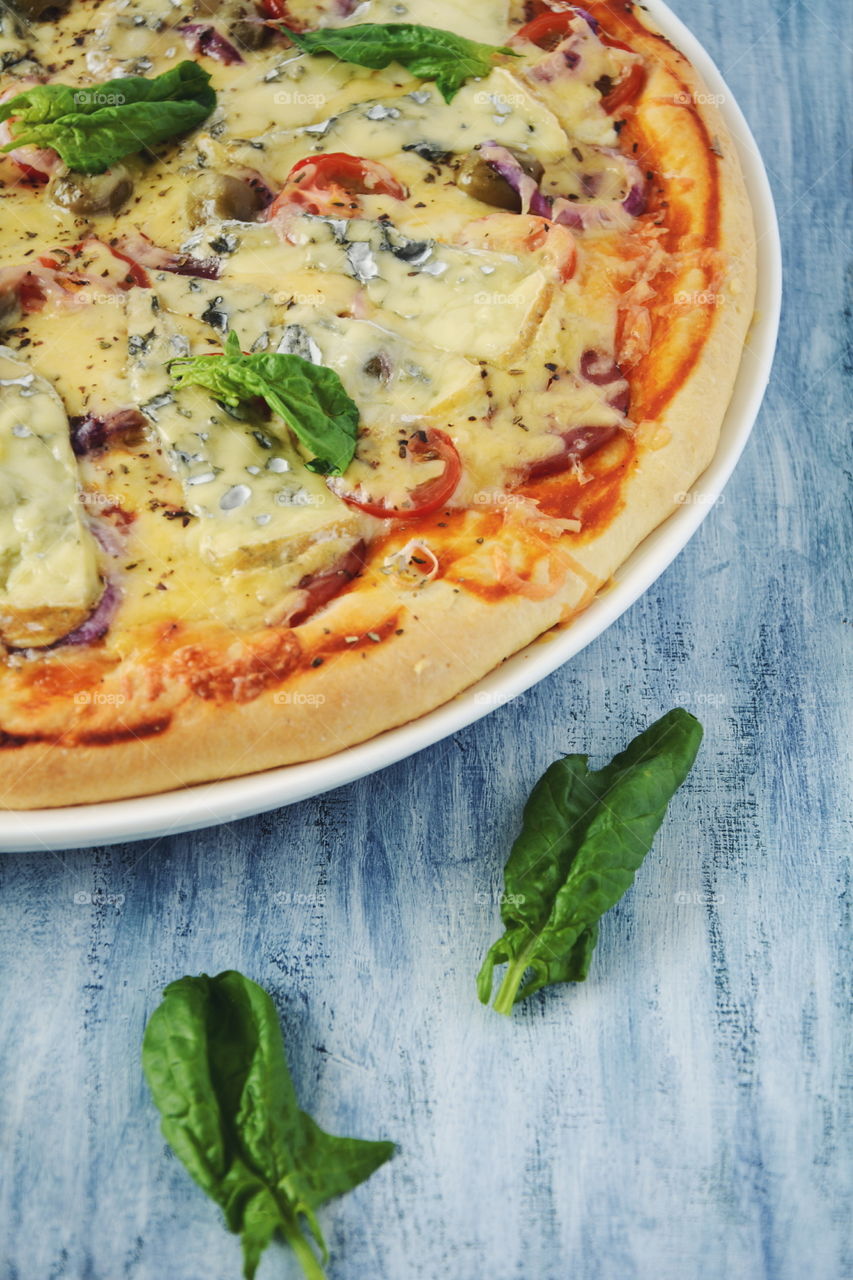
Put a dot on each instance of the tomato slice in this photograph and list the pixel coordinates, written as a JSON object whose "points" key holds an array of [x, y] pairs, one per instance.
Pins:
{"points": [[330, 184], [278, 11], [32, 176], [548, 29], [137, 275], [626, 90], [428, 446]]}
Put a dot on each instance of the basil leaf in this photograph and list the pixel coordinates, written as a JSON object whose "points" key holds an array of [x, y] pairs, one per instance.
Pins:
{"points": [[94, 126], [428, 52], [584, 834], [214, 1060], [309, 397]]}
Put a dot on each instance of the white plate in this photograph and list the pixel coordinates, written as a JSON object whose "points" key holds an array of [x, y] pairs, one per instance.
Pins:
{"points": [[202, 806]]}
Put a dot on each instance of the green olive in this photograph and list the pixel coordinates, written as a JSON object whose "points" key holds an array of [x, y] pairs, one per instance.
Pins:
{"points": [[87, 194], [476, 177], [222, 197]]}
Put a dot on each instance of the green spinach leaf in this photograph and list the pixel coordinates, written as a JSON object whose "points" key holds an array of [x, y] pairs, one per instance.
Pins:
{"points": [[94, 126], [428, 52], [584, 834], [309, 397], [214, 1060]]}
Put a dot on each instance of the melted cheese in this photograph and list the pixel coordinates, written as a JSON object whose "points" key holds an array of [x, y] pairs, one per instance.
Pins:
{"points": [[434, 310]]}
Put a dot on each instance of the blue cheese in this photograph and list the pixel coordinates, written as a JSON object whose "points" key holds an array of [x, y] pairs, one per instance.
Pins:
{"points": [[49, 579], [255, 502]]}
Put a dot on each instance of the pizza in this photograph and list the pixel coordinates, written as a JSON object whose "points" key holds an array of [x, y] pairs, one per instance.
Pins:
{"points": [[344, 352]]}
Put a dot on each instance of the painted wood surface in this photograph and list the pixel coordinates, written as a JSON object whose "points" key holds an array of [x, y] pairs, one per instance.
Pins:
{"points": [[680, 1116]]}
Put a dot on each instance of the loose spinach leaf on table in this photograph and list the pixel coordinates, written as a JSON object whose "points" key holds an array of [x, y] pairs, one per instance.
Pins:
{"points": [[93, 126], [214, 1059], [428, 52], [584, 834], [309, 397]]}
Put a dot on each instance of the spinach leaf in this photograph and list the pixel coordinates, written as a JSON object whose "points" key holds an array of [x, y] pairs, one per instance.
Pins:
{"points": [[94, 126], [584, 834], [309, 397], [428, 52], [214, 1060]]}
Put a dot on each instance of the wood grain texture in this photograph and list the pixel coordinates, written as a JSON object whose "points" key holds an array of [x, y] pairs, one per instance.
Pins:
{"points": [[681, 1116]]}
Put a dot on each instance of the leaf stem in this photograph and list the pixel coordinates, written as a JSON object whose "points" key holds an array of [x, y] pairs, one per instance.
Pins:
{"points": [[305, 1254], [508, 990]]}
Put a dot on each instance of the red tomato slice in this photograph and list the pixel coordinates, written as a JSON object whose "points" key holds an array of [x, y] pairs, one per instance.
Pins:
{"points": [[548, 29], [34, 177], [331, 184], [423, 498], [278, 11], [137, 274], [626, 90], [613, 43]]}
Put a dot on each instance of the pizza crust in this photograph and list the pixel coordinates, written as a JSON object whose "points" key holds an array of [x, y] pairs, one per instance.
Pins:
{"points": [[450, 637]]}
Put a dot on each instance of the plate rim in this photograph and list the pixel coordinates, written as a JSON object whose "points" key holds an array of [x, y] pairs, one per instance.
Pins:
{"points": [[227, 800]]}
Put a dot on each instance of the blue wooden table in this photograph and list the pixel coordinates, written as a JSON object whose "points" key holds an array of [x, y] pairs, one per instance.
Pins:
{"points": [[679, 1116]]}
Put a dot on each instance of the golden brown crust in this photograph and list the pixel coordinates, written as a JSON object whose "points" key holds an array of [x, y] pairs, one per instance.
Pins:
{"points": [[387, 652]]}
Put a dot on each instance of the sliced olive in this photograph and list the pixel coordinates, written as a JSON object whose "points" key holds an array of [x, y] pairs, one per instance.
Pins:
{"points": [[224, 197], [477, 178], [38, 10], [249, 35], [87, 194], [378, 366], [10, 308]]}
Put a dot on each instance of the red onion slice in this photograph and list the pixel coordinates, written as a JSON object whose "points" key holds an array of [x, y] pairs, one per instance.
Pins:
{"points": [[509, 167], [144, 251], [98, 622], [204, 39], [320, 588], [576, 444], [577, 215], [601, 370], [91, 434]]}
